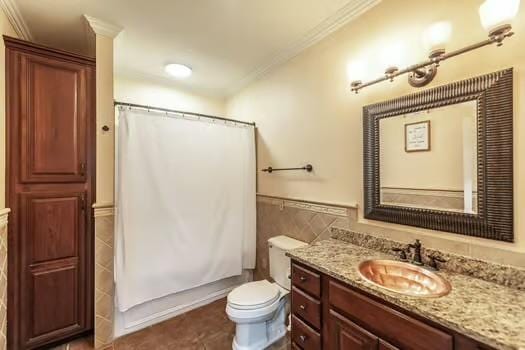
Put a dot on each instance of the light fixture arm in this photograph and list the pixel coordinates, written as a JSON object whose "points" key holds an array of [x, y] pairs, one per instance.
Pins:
{"points": [[420, 74]]}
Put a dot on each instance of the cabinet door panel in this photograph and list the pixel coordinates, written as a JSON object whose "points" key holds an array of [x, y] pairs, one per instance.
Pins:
{"points": [[53, 121], [388, 324], [346, 335], [385, 346], [53, 227], [53, 230], [54, 299]]}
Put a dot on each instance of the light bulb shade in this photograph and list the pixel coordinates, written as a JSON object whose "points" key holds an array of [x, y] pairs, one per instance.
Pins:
{"points": [[436, 36], [496, 14], [393, 55], [356, 70]]}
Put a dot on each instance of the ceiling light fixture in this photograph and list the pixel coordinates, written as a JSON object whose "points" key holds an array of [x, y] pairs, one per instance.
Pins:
{"points": [[496, 17], [178, 71]]}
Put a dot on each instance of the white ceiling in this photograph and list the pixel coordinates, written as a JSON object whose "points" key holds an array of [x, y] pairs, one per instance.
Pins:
{"points": [[228, 43]]}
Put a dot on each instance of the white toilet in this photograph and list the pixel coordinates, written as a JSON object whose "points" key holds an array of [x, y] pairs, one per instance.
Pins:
{"points": [[259, 308]]}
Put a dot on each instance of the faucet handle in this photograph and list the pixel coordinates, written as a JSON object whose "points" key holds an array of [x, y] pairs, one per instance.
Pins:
{"points": [[402, 253], [434, 259]]}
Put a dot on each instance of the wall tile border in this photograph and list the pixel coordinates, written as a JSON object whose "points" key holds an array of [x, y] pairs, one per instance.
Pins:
{"points": [[318, 207]]}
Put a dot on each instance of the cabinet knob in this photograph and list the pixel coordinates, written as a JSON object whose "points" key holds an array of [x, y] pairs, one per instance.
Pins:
{"points": [[302, 338], [302, 307], [302, 278]]}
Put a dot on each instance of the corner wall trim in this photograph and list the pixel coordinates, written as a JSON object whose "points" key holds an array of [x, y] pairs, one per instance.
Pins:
{"points": [[14, 16]]}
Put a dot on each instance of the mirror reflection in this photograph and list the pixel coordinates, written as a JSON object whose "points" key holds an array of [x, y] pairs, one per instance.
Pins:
{"points": [[428, 159]]}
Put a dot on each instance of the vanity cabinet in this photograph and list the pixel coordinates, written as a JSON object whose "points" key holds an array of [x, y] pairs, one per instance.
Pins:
{"points": [[329, 314]]}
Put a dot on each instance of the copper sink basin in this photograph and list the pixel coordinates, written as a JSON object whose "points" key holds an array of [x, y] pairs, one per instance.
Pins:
{"points": [[404, 278]]}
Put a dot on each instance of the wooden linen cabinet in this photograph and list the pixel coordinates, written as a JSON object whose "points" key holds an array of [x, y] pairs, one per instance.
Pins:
{"points": [[50, 124]]}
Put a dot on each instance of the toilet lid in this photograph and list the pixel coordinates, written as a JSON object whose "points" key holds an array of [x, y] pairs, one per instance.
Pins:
{"points": [[253, 295]]}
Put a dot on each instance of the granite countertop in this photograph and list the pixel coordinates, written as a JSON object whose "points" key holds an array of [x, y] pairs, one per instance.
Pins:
{"points": [[487, 312]]}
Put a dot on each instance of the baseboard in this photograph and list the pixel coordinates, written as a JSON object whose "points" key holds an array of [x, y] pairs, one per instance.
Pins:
{"points": [[122, 330], [180, 309]]}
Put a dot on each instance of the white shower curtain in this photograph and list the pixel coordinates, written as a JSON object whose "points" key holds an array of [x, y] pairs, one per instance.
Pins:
{"points": [[185, 204]]}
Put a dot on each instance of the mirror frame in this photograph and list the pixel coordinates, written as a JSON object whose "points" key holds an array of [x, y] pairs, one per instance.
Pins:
{"points": [[495, 106]]}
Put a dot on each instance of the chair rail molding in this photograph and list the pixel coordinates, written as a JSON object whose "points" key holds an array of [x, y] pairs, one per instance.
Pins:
{"points": [[14, 16], [103, 209]]}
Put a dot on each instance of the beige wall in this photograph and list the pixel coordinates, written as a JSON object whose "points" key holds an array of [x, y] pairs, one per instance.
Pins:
{"points": [[142, 91], [105, 116], [5, 29], [305, 111], [440, 168]]}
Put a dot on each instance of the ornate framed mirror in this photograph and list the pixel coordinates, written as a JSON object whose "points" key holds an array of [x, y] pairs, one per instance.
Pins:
{"points": [[442, 159]]}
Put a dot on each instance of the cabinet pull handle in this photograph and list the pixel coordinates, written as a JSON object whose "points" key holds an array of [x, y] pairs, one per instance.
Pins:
{"points": [[82, 169], [302, 338], [303, 279], [302, 307], [83, 203]]}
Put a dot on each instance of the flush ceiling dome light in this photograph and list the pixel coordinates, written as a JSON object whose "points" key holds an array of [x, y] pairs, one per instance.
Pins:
{"points": [[177, 70]]}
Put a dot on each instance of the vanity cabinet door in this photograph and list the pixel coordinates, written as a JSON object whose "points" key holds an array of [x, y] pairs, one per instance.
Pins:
{"points": [[385, 346], [346, 335]]}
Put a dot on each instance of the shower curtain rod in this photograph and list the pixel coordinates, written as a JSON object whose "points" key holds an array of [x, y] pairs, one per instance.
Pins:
{"points": [[159, 109]]}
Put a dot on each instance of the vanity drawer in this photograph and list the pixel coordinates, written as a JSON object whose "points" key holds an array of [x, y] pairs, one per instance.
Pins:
{"points": [[398, 329], [306, 307], [305, 337], [307, 280]]}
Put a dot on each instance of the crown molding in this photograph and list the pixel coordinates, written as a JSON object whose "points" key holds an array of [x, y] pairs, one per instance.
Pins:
{"points": [[103, 28], [14, 16], [343, 16]]}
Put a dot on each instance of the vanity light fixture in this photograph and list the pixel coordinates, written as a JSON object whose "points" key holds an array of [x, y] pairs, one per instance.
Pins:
{"points": [[495, 16], [179, 71]]}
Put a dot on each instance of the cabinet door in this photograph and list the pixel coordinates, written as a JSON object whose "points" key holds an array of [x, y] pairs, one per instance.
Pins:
{"points": [[53, 121], [385, 346], [346, 335], [54, 260]]}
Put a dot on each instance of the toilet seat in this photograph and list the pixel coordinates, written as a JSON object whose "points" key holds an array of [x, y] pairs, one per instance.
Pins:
{"points": [[253, 295]]}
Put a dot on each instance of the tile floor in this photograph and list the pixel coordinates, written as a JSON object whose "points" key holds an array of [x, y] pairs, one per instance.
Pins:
{"points": [[205, 328]]}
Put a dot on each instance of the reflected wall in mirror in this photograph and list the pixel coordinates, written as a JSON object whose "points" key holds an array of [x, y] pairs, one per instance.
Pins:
{"points": [[428, 159], [442, 159]]}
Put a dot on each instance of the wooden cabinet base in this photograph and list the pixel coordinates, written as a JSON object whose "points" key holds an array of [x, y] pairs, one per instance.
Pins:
{"points": [[351, 319]]}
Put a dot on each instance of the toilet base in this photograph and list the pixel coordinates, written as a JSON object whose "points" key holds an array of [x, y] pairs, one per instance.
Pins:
{"points": [[272, 340], [260, 335]]}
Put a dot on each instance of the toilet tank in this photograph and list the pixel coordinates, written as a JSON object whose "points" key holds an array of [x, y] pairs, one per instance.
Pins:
{"points": [[279, 262]]}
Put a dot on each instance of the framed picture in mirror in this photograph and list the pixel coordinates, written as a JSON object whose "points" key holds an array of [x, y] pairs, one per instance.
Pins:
{"points": [[417, 136]]}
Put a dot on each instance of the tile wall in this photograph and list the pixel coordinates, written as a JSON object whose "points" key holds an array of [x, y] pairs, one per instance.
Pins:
{"points": [[104, 286], [302, 220]]}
